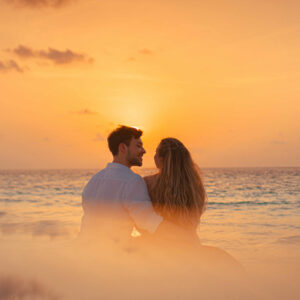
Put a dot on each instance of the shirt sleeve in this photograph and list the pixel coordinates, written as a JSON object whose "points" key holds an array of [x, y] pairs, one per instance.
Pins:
{"points": [[85, 196], [139, 206]]}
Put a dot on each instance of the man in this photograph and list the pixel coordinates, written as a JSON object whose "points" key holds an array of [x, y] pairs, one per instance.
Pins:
{"points": [[116, 199]]}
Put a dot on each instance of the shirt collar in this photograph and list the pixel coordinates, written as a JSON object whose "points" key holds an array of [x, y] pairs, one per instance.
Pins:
{"points": [[114, 165]]}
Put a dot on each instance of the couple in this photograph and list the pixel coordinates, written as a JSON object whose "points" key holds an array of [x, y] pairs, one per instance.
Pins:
{"points": [[165, 207], [116, 198]]}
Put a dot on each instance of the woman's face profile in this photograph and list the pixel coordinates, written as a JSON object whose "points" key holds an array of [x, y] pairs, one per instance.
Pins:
{"points": [[157, 159]]}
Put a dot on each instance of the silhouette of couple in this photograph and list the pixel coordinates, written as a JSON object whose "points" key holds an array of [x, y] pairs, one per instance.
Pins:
{"points": [[165, 208]]}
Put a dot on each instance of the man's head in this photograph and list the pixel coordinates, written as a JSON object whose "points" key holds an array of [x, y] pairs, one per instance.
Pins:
{"points": [[126, 145]]}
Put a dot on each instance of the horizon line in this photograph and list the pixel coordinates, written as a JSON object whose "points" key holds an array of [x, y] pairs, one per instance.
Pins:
{"points": [[221, 167]]}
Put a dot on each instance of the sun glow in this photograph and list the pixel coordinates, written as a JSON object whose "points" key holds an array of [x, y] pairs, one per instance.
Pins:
{"points": [[132, 112]]}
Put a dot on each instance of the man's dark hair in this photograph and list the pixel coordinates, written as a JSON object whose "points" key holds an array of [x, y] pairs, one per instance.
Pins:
{"points": [[123, 134]]}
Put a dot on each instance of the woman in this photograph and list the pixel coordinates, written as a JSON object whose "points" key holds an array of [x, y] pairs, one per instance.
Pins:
{"points": [[177, 193]]}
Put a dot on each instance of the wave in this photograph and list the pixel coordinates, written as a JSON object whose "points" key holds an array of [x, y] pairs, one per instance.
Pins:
{"points": [[247, 202], [293, 239]]}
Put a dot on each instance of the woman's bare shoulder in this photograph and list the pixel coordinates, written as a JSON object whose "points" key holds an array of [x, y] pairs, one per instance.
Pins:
{"points": [[150, 178], [150, 181]]}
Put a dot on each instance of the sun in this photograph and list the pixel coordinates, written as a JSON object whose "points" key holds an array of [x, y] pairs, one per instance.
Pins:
{"points": [[134, 113]]}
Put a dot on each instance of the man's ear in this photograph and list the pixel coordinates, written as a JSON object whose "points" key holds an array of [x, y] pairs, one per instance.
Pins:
{"points": [[122, 147]]}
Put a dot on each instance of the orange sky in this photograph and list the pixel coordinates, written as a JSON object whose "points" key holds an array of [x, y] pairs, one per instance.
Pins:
{"points": [[222, 76]]}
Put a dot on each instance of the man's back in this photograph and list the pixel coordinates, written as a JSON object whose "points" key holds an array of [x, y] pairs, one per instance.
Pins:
{"points": [[114, 200]]}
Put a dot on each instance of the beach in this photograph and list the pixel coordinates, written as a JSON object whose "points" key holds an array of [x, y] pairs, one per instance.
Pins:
{"points": [[252, 213]]}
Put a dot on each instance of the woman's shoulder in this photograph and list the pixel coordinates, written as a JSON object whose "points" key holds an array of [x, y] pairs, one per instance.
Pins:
{"points": [[150, 179]]}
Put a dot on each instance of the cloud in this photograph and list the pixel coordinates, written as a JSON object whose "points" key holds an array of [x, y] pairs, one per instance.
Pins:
{"points": [[132, 58], [58, 57], [64, 57], [86, 111], [146, 51], [10, 65], [12, 287], [23, 51], [50, 228], [99, 138], [39, 3], [2, 213], [278, 142]]}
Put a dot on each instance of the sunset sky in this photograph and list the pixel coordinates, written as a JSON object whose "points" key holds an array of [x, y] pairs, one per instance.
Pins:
{"points": [[222, 76]]}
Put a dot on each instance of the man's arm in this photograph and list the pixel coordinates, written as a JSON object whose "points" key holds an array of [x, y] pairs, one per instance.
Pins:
{"points": [[139, 206]]}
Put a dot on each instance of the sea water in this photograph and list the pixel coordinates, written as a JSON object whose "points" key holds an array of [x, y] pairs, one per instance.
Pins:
{"points": [[252, 213], [247, 208]]}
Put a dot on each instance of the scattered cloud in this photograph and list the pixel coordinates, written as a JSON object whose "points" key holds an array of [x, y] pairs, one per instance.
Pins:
{"points": [[131, 58], [10, 65], [39, 3], [278, 142], [99, 138], [86, 111], [50, 228], [146, 51], [23, 51], [12, 287], [279, 139], [58, 57], [64, 57]]}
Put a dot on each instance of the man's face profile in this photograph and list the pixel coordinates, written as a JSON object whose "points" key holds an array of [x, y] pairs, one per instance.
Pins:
{"points": [[135, 152]]}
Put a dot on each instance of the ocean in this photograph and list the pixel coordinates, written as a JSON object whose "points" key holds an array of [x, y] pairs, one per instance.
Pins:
{"points": [[252, 213]]}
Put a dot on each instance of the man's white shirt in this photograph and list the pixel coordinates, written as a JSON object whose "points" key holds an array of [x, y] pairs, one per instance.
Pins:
{"points": [[118, 198]]}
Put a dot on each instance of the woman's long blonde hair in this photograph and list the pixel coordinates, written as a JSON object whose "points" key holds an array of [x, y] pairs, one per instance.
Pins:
{"points": [[178, 192]]}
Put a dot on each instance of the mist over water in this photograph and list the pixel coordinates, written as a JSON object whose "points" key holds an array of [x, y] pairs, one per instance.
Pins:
{"points": [[252, 213]]}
